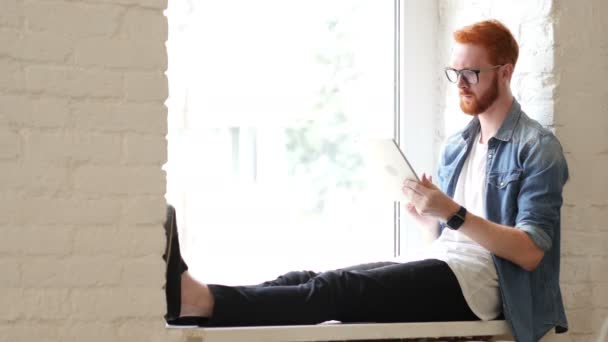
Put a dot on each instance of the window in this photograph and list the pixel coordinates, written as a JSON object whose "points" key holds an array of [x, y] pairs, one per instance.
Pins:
{"points": [[268, 101]]}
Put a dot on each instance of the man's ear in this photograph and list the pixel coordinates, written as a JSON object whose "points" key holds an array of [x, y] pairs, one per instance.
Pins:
{"points": [[507, 71]]}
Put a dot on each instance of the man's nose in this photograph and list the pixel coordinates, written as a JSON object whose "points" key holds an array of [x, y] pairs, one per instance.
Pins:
{"points": [[461, 82]]}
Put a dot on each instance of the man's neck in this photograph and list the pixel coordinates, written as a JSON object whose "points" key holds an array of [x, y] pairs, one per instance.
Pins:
{"points": [[492, 119]]}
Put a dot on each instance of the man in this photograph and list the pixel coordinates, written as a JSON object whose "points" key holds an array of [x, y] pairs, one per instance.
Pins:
{"points": [[499, 194]]}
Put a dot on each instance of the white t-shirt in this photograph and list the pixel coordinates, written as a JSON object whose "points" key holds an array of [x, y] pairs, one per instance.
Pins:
{"points": [[471, 263]]}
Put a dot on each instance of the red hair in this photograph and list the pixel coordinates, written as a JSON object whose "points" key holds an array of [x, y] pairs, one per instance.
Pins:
{"points": [[494, 37]]}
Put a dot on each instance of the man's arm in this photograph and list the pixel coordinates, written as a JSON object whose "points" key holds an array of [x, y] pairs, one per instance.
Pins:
{"points": [[538, 203], [504, 241], [508, 243]]}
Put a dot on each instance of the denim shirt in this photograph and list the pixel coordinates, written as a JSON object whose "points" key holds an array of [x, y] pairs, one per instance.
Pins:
{"points": [[525, 173]]}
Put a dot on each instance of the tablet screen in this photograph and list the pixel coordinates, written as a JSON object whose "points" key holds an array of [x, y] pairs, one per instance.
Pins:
{"points": [[389, 167]]}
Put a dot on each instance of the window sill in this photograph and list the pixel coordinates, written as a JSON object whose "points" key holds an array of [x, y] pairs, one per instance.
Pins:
{"points": [[348, 332]]}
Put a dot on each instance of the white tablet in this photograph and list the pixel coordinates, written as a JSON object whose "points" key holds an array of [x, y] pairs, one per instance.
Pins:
{"points": [[389, 167]]}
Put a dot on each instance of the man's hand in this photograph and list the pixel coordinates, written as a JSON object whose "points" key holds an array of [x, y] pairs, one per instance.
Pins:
{"points": [[426, 221], [506, 242], [427, 200]]}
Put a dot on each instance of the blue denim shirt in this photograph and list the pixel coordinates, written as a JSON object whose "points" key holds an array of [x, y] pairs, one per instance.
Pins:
{"points": [[525, 173]]}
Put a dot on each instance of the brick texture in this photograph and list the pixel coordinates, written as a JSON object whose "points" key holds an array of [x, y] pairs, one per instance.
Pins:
{"points": [[82, 143], [580, 114]]}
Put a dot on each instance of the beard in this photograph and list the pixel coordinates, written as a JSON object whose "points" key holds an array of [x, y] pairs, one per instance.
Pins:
{"points": [[477, 106]]}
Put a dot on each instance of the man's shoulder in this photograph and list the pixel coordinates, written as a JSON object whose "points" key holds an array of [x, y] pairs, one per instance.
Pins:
{"points": [[456, 137], [538, 142], [530, 134], [529, 129]]}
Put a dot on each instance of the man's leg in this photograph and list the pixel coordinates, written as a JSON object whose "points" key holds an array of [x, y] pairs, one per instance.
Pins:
{"points": [[301, 277], [197, 299], [418, 291]]}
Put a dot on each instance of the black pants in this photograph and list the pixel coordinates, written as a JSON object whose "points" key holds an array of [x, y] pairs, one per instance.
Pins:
{"points": [[419, 291]]}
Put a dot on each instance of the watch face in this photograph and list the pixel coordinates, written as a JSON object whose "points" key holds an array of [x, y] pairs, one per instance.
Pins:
{"points": [[455, 222], [457, 219]]}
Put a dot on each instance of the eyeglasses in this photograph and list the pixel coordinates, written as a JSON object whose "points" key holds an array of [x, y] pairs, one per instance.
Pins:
{"points": [[471, 76]]}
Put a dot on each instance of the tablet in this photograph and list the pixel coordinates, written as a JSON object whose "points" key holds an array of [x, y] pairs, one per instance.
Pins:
{"points": [[389, 167]]}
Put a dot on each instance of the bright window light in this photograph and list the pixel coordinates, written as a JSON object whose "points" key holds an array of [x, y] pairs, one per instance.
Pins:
{"points": [[268, 100]]}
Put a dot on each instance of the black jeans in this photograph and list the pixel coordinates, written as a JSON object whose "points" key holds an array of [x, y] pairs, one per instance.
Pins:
{"points": [[420, 291]]}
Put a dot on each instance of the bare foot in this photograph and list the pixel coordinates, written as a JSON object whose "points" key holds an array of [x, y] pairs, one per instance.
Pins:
{"points": [[197, 300]]}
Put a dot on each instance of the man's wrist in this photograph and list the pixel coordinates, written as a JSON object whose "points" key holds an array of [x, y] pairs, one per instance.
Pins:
{"points": [[450, 210], [457, 219]]}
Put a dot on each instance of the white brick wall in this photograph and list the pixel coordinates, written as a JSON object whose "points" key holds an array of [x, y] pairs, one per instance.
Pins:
{"points": [[560, 80], [82, 141], [581, 120]]}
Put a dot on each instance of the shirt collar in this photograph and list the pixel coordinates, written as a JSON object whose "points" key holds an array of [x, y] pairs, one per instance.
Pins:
{"points": [[505, 132]]}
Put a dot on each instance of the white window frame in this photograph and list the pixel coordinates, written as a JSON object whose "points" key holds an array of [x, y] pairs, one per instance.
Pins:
{"points": [[418, 86]]}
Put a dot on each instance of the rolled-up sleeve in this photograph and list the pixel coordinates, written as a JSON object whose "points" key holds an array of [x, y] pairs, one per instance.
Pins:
{"points": [[538, 235], [540, 196]]}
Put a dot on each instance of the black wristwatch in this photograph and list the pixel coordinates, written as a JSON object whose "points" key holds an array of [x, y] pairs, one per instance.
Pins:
{"points": [[456, 220]]}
